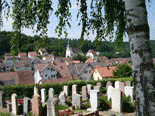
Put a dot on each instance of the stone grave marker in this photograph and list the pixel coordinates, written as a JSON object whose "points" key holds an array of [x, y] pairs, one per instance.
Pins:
{"points": [[127, 83], [94, 100], [129, 92], [117, 84], [52, 107], [89, 87], [65, 89], [84, 93], [98, 84], [36, 105], [121, 86], [74, 89], [62, 98], [109, 92], [43, 95], [1, 99], [77, 100], [116, 100], [51, 93], [35, 90], [14, 104], [97, 88], [108, 84], [27, 105]]}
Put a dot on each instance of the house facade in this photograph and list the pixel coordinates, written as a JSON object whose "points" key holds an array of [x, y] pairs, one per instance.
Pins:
{"points": [[32, 55], [44, 71], [92, 54], [42, 52]]}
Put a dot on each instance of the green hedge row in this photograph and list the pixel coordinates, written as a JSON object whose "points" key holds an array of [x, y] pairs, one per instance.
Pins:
{"points": [[27, 91]]}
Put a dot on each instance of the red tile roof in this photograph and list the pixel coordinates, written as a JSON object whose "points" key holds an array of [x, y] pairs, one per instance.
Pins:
{"points": [[22, 54], [89, 60], [32, 53], [76, 61], [105, 71], [93, 52]]}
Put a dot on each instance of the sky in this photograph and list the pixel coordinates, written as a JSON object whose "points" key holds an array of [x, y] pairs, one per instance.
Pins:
{"points": [[75, 31]]}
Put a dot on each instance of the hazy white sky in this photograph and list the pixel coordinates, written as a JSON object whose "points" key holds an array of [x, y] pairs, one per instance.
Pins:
{"points": [[75, 31]]}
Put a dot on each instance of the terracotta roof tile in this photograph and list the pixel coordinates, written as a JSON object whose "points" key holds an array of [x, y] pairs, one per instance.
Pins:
{"points": [[23, 64], [89, 60], [22, 54], [32, 53], [76, 61], [25, 59]]}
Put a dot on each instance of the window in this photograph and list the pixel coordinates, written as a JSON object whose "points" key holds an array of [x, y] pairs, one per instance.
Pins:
{"points": [[48, 68], [89, 71], [85, 71], [51, 69], [46, 75], [52, 76], [73, 72], [61, 67]]}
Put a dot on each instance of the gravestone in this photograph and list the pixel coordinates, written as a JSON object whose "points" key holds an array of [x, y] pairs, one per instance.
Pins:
{"points": [[77, 100], [74, 89], [62, 98], [35, 90], [51, 93], [14, 104], [116, 100], [97, 88], [84, 93], [43, 95], [108, 84], [89, 87], [94, 100], [65, 89], [1, 99], [52, 107], [129, 92], [98, 84], [117, 84], [121, 86], [109, 92], [127, 83], [27, 105], [36, 105]]}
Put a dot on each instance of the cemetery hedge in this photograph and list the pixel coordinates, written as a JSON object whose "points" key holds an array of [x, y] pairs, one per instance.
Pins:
{"points": [[27, 91]]}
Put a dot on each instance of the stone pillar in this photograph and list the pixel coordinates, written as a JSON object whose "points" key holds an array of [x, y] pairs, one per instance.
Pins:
{"points": [[62, 98], [52, 107], [51, 93], [127, 83], [108, 84], [14, 104], [77, 100], [74, 89], [116, 100], [27, 105], [89, 87], [35, 90], [94, 100], [121, 86], [98, 84], [43, 95], [65, 89], [36, 105], [1, 99], [129, 92], [84, 93], [117, 84], [97, 88]]}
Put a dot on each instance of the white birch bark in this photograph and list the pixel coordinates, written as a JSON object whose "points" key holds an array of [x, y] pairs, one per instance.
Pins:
{"points": [[143, 69]]}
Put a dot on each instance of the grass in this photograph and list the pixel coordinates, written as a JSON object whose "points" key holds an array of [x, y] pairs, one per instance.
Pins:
{"points": [[5, 114]]}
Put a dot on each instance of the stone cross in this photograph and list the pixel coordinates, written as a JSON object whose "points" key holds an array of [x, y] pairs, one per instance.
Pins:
{"points": [[65, 89], [35, 90], [89, 87], [62, 98], [108, 84], [109, 92], [43, 95], [52, 107], [77, 100], [1, 99], [84, 93], [51, 93], [129, 92], [74, 88], [94, 100], [116, 100], [14, 104], [26, 106], [36, 105]]}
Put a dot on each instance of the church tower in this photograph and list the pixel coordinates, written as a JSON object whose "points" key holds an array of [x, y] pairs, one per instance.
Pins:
{"points": [[69, 52]]}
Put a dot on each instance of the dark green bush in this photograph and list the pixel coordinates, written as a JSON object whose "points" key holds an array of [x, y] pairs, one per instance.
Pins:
{"points": [[127, 105], [103, 105], [62, 107], [103, 90]]}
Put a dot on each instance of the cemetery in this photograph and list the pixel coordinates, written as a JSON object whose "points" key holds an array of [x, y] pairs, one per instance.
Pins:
{"points": [[73, 100]]}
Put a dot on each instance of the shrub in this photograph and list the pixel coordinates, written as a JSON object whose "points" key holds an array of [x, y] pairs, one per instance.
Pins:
{"points": [[62, 107], [103, 90], [122, 70], [103, 105], [127, 105], [85, 106]]}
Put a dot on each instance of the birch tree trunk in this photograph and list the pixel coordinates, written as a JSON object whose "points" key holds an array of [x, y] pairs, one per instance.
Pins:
{"points": [[143, 68]]}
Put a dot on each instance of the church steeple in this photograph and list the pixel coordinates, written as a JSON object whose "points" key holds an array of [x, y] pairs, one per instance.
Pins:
{"points": [[68, 46]]}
